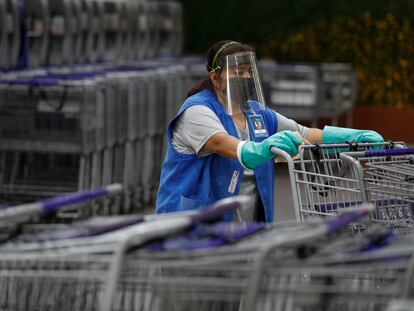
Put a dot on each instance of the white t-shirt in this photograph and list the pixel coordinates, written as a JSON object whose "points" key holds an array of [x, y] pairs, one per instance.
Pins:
{"points": [[198, 124]]}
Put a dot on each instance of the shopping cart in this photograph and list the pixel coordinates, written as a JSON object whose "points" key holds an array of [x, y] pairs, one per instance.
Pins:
{"points": [[310, 91], [293, 90], [82, 271], [323, 184], [71, 128], [386, 178], [12, 218], [338, 277], [46, 125], [286, 267]]}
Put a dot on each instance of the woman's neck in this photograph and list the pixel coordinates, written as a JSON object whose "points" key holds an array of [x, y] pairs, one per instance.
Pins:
{"points": [[240, 120]]}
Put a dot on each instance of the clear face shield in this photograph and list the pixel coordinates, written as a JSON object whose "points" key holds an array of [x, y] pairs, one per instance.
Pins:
{"points": [[243, 88]]}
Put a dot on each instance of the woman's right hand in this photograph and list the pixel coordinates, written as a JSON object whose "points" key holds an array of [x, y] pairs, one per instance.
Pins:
{"points": [[252, 154]]}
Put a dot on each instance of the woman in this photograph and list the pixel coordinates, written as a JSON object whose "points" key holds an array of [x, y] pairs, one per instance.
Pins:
{"points": [[219, 142]]}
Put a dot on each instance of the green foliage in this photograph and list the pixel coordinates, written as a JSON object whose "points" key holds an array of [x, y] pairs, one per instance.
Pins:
{"points": [[374, 35], [256, 22], [381, 51]]}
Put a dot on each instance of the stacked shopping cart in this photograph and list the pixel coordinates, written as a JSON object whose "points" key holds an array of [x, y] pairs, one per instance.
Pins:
{"points": [[35, 33], [68, 130], [329, 178], [189, 260], [310, 92], [87, 89]]}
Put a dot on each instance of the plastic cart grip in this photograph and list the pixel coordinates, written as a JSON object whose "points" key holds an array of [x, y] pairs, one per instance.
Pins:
{"points": [[388, 152], [54, 204], [348, 217]]}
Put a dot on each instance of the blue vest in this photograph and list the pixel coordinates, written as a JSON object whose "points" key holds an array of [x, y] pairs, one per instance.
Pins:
{"points": [[191, 182]]}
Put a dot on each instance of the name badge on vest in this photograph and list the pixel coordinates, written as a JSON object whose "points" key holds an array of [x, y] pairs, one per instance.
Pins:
{"points": [[233, 182], [258, 126]]}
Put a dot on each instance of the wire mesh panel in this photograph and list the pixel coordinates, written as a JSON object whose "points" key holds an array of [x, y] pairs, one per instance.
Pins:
{"points": [[387, 177], [57, 282], [323, 184], [45, 128], [364, 286]]}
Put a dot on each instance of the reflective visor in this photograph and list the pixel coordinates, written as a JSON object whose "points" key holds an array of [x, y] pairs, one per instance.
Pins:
{"points": [[243, 88]]}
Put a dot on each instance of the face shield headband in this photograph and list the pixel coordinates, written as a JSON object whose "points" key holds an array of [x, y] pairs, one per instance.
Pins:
{"points": [[215, 67]]}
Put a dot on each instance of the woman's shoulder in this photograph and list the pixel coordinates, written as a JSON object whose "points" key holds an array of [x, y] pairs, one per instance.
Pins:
{"points": [[202, 96], [205, 97]]}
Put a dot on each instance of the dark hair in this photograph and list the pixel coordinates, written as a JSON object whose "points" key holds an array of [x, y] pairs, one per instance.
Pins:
{"points": [[230, 47]]}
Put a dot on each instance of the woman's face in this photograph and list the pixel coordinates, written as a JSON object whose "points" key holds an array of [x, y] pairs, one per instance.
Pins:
{"points": [[237, 83], [241, 71]]}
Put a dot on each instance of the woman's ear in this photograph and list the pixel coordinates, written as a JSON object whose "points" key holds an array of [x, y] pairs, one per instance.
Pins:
{"points": [[214, 78]]}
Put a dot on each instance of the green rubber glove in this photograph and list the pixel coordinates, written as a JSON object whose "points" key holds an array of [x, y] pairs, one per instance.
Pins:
{"points": [[252, 154], [332, 134]]}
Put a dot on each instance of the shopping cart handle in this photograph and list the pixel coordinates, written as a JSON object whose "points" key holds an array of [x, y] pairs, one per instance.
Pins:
{"points": [[52, 205], [220, 208], [280, 152], [346, 218], [388, 152]]}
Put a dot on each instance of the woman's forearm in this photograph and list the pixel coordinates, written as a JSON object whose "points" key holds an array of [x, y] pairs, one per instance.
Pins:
{"points": [[222, 144], [314, 136]]}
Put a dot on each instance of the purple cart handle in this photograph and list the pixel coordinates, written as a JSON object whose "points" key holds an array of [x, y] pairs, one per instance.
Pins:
{"points": [[342, 220], [54, 204], [220, 208], [388, 152]]}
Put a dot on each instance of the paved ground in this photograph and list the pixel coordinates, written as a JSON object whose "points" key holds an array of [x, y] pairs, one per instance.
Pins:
{"points": [[284, 209]]}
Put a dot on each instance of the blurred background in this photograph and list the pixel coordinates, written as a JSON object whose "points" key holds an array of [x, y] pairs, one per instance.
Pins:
{"points": [[375, 37], [87, 87]]}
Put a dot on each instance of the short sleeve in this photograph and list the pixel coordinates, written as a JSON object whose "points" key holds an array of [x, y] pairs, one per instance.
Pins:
{"points": [[194, 128], [284, 123]]}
